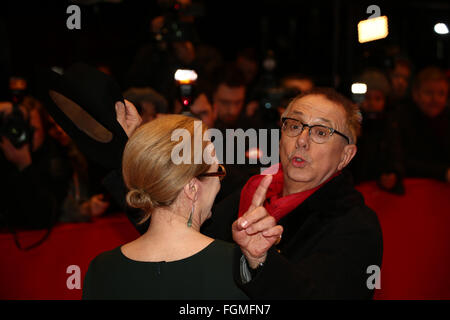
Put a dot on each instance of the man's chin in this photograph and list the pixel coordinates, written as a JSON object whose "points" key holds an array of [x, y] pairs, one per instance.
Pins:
{"points": [[300, 175]]}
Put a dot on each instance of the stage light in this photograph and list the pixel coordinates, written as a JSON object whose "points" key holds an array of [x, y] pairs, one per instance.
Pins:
{"points": [[441, 28], [359, 88], [373, 29]]}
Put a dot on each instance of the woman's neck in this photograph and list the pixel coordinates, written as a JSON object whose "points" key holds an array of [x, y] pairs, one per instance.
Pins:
{"points": [[168, 238]]}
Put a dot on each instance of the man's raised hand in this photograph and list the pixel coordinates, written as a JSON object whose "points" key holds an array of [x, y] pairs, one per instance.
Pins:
{"points": [[256, 231]]}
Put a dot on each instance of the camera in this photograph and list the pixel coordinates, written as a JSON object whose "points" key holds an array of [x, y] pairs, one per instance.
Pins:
{"points": [[15, 127], [186, 80]]}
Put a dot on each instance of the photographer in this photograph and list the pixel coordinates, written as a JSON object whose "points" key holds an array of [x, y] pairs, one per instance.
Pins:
{"points": [[171, 48], [34, 175]]}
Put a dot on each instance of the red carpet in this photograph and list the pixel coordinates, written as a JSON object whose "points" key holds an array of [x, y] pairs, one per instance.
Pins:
{"points": [[416, 262]]}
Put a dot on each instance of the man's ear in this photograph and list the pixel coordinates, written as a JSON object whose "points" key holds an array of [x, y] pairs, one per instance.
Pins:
{"points": [[190, 189], [347, 155]]}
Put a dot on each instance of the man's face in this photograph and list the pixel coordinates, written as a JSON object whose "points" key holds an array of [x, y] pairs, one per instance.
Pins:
{"points": [[400, 79], [229, 102], [431, 97], [374, 101], [204, 110], [307, 164]]}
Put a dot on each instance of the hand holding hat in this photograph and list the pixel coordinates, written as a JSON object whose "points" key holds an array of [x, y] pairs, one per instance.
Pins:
{"points": [[82, 101]]}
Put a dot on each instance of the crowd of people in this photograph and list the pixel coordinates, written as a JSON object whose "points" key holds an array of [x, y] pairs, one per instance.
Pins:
{"points": [[405, 121]]}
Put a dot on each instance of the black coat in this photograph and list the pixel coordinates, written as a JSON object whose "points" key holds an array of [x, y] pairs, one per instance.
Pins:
{"points": [[328, 243]]}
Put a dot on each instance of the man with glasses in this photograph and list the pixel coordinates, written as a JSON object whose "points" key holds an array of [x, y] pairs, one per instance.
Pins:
{"points": [[330, 236]]}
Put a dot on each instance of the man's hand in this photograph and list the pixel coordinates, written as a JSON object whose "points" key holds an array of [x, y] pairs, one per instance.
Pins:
{"points": [[256, 231], [128, 117], [21, 157]]}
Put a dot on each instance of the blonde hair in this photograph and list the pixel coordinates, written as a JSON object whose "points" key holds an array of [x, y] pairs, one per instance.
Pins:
{"points": [[151, 176]]}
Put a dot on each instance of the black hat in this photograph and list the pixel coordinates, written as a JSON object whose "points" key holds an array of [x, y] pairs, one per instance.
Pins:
{"points": [[82, 101]]}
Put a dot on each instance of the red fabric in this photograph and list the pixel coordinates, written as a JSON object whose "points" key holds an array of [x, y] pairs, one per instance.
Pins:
{"points": [[277, 205], [416, 236], [41, 273], [416, 260]]}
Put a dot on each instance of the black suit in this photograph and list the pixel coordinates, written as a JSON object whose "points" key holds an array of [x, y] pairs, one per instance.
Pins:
{"points": [[328, 242]]}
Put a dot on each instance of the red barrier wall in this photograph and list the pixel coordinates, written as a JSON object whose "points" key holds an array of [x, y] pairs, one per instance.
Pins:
{"points": [[416, 261]]}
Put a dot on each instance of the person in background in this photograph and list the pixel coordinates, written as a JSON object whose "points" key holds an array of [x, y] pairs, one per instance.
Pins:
{"points": [[149, 103], [34, 175], [201, 106], [300, 82], [379, 152], [400, 78], [228, 94], [79, 205], [424, 127]]}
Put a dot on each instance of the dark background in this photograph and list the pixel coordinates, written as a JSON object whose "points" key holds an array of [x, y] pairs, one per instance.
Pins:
{"points": [[318, 38]]}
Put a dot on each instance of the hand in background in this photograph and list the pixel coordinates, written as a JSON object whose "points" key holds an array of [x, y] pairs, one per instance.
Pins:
{"points": [[97, 205], [20, 157]]}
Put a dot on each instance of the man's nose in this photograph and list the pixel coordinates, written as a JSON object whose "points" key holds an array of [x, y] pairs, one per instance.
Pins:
{"points": [[303, 139]]}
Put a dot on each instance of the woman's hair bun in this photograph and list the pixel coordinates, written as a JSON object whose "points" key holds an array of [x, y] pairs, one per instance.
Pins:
{"points": [[140, 199]]}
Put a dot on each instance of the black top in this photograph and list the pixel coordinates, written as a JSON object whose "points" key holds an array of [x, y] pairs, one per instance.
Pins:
{"points": [[204, 275]]}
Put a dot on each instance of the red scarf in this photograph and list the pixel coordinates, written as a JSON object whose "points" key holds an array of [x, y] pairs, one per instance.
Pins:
{"points": [[277, 205]]}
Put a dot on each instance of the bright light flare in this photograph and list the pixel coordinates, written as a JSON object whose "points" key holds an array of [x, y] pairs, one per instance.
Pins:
{"points": [[185, 76], [441, 28], [373, 29], [359, 88]]}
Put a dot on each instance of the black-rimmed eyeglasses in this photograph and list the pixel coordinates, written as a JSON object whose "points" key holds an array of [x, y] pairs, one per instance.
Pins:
{"points": [[318, 133]]}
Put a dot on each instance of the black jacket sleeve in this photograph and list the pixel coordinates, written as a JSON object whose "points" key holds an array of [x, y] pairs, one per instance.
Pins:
{"points": [[334, 268]]}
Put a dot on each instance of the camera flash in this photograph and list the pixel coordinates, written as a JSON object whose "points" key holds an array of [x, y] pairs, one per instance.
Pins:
{"points": [[185, 76]]}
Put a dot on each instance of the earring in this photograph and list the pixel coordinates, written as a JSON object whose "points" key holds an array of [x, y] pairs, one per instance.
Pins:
{"points": [[189, 223]]}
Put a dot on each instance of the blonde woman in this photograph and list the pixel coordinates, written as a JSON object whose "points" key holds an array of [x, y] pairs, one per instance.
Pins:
{"points": [[172, 260]]}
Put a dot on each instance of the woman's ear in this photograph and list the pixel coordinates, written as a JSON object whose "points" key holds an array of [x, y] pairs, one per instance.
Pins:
{"points": [[347, 155], [191, 189]]}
